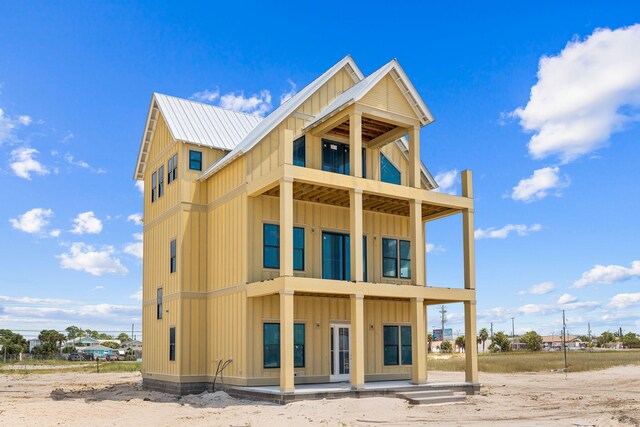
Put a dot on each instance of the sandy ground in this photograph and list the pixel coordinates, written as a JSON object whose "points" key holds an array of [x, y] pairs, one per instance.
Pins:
{"points": [[602, 398]]}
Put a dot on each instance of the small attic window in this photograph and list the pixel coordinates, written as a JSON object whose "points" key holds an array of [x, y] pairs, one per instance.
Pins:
{"points": [[195, 160]]}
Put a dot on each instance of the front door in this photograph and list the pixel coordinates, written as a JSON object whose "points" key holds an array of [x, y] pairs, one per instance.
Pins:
{"points": [[340, 353]]}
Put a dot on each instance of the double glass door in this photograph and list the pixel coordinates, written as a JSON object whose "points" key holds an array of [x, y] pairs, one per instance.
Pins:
{"points": [[340, 353], [336, 256]]}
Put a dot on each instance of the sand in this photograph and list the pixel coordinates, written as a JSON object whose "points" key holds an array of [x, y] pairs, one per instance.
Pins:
{"points": [[603, 398]]}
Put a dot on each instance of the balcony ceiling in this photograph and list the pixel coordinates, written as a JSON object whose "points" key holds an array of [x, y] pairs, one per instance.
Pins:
{"points": [[371, 129]]}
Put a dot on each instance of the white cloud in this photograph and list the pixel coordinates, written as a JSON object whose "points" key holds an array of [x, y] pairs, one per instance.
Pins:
{"points": [[566, 299], [79, 163], [621, 301], [431, 248], [140, 186], [503, 233], [608, 274], [83, 257], [206, 95], [540, 289], [137, 295], [99, 287], [24, 120], [86, 222], [288, 94], [257, 104], [33, 221], [447, 181], [136, 218], [24, 164], [135, 248], [9, 125], [55, 233], [582, 93], [531, 309], [29, 300], [539, 184]]}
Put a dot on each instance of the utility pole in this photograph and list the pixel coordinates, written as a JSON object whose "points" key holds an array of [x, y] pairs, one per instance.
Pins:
{"points": [[513, 327], [564, 339], [492, 331], [443, 312], [132, 332], [589, 331]]}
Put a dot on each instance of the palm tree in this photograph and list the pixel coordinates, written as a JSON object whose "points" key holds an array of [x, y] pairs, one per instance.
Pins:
{"points": [[484, 335], [460, 342], [429, 341]]}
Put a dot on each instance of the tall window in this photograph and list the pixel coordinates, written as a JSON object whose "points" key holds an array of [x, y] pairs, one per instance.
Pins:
{"points": [[161, 181], [159, 305], [388, 172], [195, 160], [271, 345], [299, 152], [298, 248], [172, 168], [154, 186], [335, 158], [392, 251], [173, 266], [271, 246], [172, 343], [397, 345]]}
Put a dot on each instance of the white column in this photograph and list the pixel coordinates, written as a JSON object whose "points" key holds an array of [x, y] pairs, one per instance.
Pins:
{"points": [[355, 144], [286, 226], [355, 226]]}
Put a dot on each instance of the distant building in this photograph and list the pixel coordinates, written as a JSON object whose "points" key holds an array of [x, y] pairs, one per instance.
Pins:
{"points": [[33, 343], [554, 342], [135, 346], [97, 350], [81, 342]]}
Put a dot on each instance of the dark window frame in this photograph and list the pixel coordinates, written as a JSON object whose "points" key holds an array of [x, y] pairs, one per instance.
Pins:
{"points": [[300, 147], [297, 346], [172, 168], [385, 257], [401, 259], [172, 344], [159, 304], [403, 350], [160, 181], [173, 256], [265, 246], [195, 164], [384, 158], [154, 185], [296, 249]]}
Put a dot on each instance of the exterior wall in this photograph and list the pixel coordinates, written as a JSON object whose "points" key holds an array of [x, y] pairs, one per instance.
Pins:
{"points": [[227, 316], [387, 96]]}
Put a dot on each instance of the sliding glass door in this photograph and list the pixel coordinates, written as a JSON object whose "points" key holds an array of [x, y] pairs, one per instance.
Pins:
{"points": [[336, 256]]}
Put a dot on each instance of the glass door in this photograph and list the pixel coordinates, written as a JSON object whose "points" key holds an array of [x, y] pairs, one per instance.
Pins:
{"points": [[340, 353]]}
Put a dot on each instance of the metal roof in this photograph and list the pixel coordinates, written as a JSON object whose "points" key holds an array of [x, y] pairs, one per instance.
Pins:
{"points": [[196, 123]]}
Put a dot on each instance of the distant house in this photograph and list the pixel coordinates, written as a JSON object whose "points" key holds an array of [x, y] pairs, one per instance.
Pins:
{"points": [[97, 350], [81, 342], [517, 344], [135, 346], [555, 342], [33, 343]]}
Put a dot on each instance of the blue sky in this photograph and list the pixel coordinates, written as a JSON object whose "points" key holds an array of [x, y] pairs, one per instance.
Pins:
{"points": [[556, 179]]}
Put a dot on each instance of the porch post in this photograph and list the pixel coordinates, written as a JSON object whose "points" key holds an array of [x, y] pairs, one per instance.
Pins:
{"points": [[414, 157], [357, 342], [355, 144], [417, 244], [355, 226], [286, 342], [375, 164], [471, 346], [418, 341], [286, 147], [286, 226]]}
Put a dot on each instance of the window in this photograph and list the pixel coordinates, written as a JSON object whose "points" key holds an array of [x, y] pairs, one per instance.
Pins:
{"points": [[154, 185], [388, 172], [364, 162], [271, 345], [397, 345], [172, 169], [195, 160], [298, 248], [299, 152], [364, 258], [161, 181], [271, 246], [172, 261], [159, 305], [336, 256], [389, 257], [172, 343], [335, 158], [405, 259]]}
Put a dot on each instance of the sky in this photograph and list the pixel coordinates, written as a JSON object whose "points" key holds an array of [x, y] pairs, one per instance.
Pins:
{"points": [[541, 101]]}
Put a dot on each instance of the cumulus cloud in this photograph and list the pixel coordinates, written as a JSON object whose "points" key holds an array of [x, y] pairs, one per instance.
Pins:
{"points": [[608, 274], [136, 218], [504, 232], [447, 181], [622, 301], [432, 248], [584, 94], [566, 299], [23, 163], [33, 221], [206, 95], [540, 289], [9, 125], [29, 300], [140, 186], [257, 104], [288, 94], [24, 120], [83, 257], [86, 222], [539, 185], [137, 295], [135, 248]]}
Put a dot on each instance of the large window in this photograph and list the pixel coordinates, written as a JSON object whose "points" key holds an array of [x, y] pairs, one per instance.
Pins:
{"points": [[298, 248], [172, 343], [397, 345], [271, 345], [159, 304], [336, 256], [195, 160], [154, 186], [299, 152], [388, 172], [172, 168], [335, 158], [160, 181], [392, 251], [271, 246], [173, 266]]}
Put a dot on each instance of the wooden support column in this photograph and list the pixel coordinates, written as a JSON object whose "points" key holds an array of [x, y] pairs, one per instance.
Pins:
{"points": [[355, 144], [375, 164], [418, 341], [355, 226], [286, 342], [417, 243], [414, 157], [471, 343], [357, 342], [467, 234], [286, 147], [286, 226]]}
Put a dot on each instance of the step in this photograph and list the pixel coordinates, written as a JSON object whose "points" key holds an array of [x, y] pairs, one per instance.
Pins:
{"points": [[437, 400], [425, 393]]}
